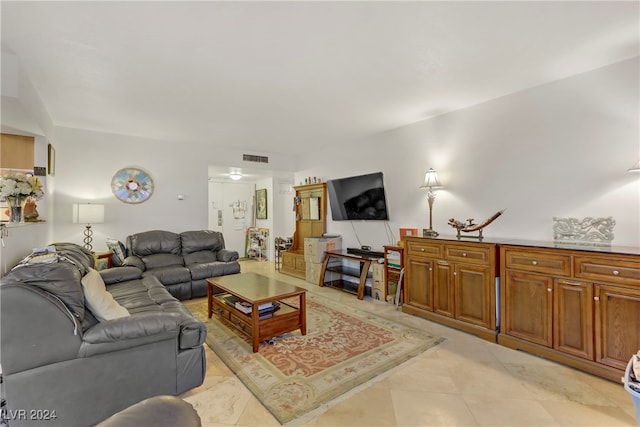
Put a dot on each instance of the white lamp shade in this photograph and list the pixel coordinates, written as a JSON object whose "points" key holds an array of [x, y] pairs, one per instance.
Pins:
{"points": [[431, 180], [88, 213]]}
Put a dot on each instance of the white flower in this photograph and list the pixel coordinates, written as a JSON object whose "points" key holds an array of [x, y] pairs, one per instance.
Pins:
{"points": [[20, 186]]}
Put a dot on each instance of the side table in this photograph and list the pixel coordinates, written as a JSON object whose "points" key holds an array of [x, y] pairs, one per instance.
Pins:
{"points": [[108, 255], [393, 265]]}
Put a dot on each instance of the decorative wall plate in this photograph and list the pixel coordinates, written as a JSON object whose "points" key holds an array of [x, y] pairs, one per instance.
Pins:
{"points": [[132, 185]]}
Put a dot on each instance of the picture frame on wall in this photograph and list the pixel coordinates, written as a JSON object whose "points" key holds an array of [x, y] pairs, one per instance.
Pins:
{"points": [[261, 204]]}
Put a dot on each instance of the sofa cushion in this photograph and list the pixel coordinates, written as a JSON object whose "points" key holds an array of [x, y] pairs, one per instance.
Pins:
{"points": [[212, 269], [147, 295], [199, 257], [120, 274], [153, 242], [61, 279], [194, 241], [171, 275], [99, 301], [162, 260]]}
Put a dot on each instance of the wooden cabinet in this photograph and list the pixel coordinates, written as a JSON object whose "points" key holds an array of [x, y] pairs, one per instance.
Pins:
{"points": [[573, 318], [576, 307], [418, 294], [311, 221], [452, 282], [617, 325]]}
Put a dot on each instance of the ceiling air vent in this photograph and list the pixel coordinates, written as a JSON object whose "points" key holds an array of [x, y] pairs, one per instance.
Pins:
{"points": [[255, 159]]}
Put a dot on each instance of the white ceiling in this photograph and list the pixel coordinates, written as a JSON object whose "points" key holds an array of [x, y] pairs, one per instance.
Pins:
{"points": [[278, 77]]}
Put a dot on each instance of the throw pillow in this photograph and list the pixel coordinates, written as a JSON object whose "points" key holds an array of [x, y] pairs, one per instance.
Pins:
{"points": [[119, 251], [99, 301]]}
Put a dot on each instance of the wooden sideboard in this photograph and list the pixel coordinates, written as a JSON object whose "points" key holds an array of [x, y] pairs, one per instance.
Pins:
{"points": [[575, 304], [452, 282], [577, 307]]}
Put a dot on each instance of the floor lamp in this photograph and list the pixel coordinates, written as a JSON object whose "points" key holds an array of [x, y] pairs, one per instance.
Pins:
{"points": [[430, 183], [88, 213]]}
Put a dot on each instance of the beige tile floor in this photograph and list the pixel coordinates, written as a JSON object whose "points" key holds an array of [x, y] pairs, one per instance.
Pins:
{"points": [[465, 381]]}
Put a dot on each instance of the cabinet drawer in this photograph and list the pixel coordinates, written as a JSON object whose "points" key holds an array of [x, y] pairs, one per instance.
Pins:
{"points": [[472, 255], [608, 270], [540, 262], [419, 248]]}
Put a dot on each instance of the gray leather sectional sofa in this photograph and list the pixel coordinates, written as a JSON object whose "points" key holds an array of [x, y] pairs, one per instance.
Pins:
{"points": [[182, 262], [63, 367]]}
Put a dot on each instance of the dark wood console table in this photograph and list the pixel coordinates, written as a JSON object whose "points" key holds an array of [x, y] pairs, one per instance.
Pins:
{"points": [[361, 273]]}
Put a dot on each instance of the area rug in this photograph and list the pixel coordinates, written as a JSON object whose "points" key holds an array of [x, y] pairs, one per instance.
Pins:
{"points": [[293, 375]]}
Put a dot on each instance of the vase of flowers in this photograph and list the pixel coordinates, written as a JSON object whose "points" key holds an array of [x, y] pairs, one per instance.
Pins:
{"points": [[15, 188]]}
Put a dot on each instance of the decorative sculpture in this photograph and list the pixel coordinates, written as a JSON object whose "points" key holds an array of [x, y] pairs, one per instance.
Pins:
{"points": [[470, 227], [589, 230]]}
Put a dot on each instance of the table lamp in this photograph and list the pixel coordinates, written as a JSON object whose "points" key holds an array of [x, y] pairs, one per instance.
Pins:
{"points": [[430, 183], [88, 213]]}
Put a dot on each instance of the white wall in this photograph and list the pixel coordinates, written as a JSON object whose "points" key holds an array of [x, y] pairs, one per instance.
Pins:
{"points": [[561, 149], [87, 161]]}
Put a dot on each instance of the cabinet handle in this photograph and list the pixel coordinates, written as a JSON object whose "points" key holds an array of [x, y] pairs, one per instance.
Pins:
{"points": [[464, 254], [455, 273], [549, 290], [430, 269], [534, 262], [616, 272], [422, 249], [596, 298]]}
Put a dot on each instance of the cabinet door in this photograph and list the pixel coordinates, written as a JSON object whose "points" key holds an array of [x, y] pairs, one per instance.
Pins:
{"points": [[418, 291], [443, 289], [617, 325], [474, 295], [573, 318], [527, 307]]}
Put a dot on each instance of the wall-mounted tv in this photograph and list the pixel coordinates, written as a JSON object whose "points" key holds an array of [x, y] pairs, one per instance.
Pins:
{"points": [[358, 198]]}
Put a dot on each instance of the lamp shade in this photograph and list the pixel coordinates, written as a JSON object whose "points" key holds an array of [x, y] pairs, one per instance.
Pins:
{"points": [[431, 180], [88, 213]]}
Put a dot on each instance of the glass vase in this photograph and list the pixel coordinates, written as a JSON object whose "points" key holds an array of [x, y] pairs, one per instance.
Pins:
{"points": [[15, 208]]}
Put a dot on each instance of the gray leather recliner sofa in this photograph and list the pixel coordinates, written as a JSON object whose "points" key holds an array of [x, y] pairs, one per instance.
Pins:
{"points": [[63, 367], [182, 262]]}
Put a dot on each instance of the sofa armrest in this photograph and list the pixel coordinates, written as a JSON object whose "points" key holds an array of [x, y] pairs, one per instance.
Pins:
{"points": [[129, 332], [120, 274], [133, 261], [226, 255], [158, 411]]}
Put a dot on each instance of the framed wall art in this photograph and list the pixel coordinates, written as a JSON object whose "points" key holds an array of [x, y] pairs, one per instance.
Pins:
{"points": [[261, 204], [132, 185]]}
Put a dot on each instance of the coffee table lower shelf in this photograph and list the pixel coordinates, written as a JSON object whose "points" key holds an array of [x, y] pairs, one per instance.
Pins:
{"points": [[286, 319]]}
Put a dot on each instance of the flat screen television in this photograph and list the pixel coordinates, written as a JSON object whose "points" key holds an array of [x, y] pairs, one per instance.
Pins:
{"points": [[358, 198]]}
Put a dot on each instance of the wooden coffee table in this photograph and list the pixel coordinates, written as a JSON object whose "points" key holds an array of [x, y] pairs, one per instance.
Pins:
{"points": [[256, 290]]}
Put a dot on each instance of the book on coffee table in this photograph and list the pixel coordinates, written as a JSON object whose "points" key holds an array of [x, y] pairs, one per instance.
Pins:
{"points": [[245, 307]]}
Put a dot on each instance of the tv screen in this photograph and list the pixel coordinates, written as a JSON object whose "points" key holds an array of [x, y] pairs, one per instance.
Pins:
{"points": [[358, 198]]}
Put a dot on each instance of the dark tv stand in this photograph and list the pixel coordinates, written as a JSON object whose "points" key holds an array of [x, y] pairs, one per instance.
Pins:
{"points": [[365, 253], [362, 273]]}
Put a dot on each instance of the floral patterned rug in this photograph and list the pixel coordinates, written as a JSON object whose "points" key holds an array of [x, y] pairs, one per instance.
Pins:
{"points": [[294, 374]]}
